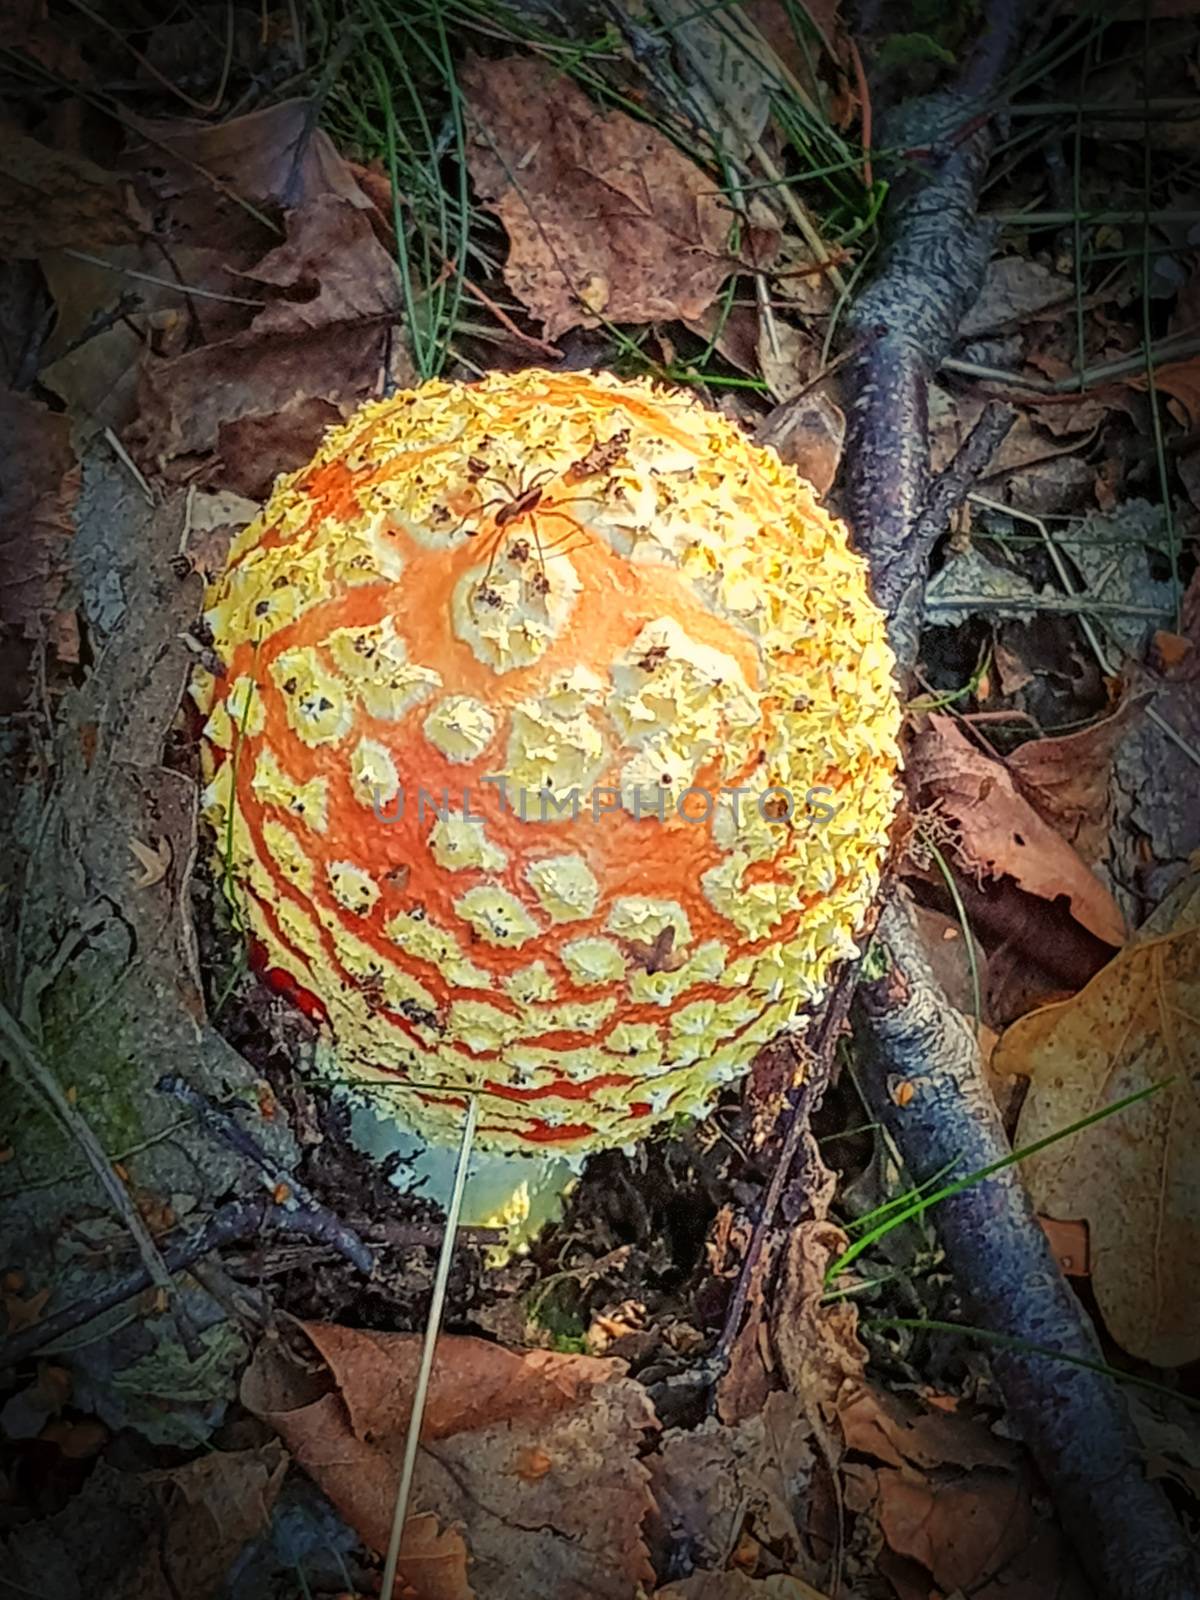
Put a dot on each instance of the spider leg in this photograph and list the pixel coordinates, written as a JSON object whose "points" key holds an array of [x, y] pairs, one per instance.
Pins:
{"points": [[475, 513], [496, 539], [561, 544], [507, 489]]}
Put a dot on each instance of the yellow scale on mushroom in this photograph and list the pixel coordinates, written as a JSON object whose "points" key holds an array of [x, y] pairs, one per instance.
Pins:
{"points": [[552, 765]]}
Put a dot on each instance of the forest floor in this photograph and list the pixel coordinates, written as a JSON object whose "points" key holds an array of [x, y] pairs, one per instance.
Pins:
{"points": [[714, 1378]]}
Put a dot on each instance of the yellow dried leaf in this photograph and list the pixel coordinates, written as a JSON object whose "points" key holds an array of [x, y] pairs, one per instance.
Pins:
{"points": [[1132, 1176]]}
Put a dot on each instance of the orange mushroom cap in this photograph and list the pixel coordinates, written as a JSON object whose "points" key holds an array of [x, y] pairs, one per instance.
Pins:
{"points": [[555, 753]]}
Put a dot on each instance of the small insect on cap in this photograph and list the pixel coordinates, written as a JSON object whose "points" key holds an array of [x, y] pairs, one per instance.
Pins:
{"points": [[555, 753]]}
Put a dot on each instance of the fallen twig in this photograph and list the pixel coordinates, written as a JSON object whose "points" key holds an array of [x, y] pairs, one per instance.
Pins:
{"points": [[821, 1041], [289, 1192], [948, 491], [238, 1220]]}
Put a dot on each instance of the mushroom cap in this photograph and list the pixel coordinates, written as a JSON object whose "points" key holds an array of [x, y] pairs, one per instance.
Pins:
{"points": [[554, 756]]}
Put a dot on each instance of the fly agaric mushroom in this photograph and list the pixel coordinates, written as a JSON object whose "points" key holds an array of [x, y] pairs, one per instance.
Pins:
{"points": [[554, 757]]}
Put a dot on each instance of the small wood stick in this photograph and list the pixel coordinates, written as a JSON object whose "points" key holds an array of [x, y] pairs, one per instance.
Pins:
{"points": [[432, 1329]]}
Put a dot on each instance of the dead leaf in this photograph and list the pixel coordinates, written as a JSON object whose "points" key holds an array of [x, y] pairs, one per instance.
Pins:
{"points": [[36, 512], [23, 1312], [333, 268], [27, 1413], [316, 348], [945, 945], [254, 450], [106, 317], [1179, 379], [713, 1483], [578, 1524], [1071, 1245], [738, 1586], [898, 1431], [807, 433], [606, 219], [802, 281], [1132, 1176], [50, 199], [167, 1535], [999, 833], [746, 1383], [1013, 290], [1116, 553], [817, 1340], [204, 172], [1170, 1433], [968, 584], [1158, 820], [433, 1562], [963, 1531], [789, 358], [1068, 778]]}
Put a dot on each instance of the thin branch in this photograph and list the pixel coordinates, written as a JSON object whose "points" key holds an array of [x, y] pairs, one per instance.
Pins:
{"points": [[38, 1079], [221, 1126], [1177, 348], [822, 1042], [238, 1220]]}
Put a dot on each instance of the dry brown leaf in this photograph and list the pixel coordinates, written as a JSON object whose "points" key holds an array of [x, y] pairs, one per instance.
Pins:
{"points": [[106, 318], [998, 831], [1071, 1246], [1132, 1176], [1068, 779], [744, 1386], [737, 1586], [816, 1339], [578, 1524], [22, 1311], [1014, 289], [789, 358], [606, 219], [202, 171], [1179, 379], [167, 1535], [314, 352], [36, 513], [50, 199], [964, 1531], [807, 433], [253, 450], [897, 1431], [333, 269], [1156, 772], [712, 1483], [433, 1562], [950, 957], [153, 862]]}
